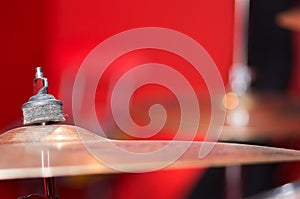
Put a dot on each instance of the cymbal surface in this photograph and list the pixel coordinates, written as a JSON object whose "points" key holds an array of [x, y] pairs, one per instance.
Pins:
{"points": [[65, 150]]}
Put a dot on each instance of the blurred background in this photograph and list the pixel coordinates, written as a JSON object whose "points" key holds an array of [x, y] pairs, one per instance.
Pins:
{"points": [[246, 39]]}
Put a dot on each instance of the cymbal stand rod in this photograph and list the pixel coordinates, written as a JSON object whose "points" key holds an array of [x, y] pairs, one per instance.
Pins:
{"points": [[49, 188], [49, 182]]}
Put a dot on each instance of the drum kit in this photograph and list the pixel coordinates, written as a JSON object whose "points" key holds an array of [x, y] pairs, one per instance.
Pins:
{"points": [[50, 150]]}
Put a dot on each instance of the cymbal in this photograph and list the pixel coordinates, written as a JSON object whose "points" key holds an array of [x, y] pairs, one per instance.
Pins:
{"points": [[252, 117], [65, 150], [287, 191], [262, 112], [289, 19]]}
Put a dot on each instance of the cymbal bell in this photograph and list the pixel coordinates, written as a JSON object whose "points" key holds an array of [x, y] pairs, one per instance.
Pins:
{"points": [[65, 150]]}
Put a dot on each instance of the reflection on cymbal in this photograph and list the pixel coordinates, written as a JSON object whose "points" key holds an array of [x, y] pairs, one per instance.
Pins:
{"points": [[60, 150]]}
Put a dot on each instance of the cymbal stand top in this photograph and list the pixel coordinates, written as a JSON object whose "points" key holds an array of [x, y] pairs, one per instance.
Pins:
{"points": [[42, 107]]}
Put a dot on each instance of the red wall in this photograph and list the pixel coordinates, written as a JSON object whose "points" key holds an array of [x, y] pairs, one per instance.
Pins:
{"points": [[73, 25], [58, 35], [23, 47]]}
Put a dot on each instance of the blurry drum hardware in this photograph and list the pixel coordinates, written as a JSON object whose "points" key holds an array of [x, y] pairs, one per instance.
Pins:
{"points": [[46, 150]]}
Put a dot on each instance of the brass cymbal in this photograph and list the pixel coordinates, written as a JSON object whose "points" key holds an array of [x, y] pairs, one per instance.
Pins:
{"points": [[268, 117], [286, 191], [249, 118], [65, 150]]}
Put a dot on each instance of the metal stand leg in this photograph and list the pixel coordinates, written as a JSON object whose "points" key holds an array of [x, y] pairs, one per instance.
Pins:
{"points": [[49, 188], [233, 177]]}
